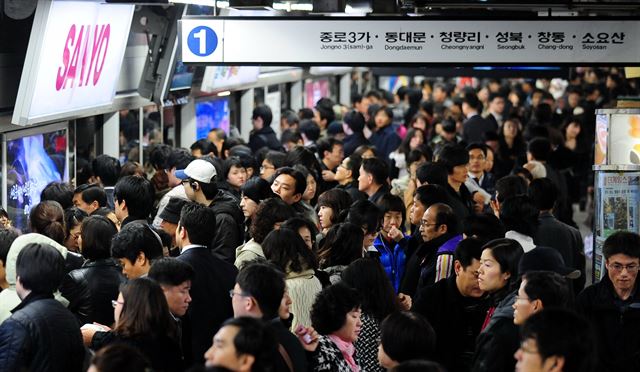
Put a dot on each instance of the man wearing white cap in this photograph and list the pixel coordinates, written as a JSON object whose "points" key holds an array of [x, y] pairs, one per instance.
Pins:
{"points": [[199, 180]]}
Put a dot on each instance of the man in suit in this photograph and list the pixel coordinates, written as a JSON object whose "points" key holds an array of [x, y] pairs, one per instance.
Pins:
{"points": [[213, 279], [496, 108], [475, 126], [555, 234], [539, 149]]}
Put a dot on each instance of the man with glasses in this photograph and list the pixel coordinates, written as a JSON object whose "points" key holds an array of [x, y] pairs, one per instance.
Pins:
{"points": [[613, 304], [438, 230], [456, 308], [272, 161], [539, 290], [480, 183]]}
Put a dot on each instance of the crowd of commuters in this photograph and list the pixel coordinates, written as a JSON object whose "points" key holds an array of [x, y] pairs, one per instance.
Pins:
{"points": [[430, 230]]}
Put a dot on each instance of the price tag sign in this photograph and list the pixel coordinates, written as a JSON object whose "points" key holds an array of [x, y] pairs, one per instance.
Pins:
{"points": [[202, 40]]}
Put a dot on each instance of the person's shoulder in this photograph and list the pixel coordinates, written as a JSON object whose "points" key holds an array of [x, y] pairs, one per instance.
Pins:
{"points": [[589, 294], [431, 292], [43, 309]]}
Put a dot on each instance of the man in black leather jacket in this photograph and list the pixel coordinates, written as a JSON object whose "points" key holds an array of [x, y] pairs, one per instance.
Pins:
{"points": [[41, 335]]}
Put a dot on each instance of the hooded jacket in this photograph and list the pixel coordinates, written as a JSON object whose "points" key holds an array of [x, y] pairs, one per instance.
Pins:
{"points": [[9, 298]]}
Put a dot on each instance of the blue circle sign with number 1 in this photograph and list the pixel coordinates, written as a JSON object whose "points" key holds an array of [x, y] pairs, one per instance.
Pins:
{"points": [[202, 41]]}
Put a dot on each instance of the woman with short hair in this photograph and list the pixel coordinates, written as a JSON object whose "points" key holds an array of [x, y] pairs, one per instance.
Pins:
{"points": [[336, 317], [91, 288]]}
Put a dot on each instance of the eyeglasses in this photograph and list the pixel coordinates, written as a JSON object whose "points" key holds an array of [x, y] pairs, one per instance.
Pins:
{"points": [[518, 298], [232, 293], [264, 167], [633, 268], [425, 223], [115, 303], [528, 349]]}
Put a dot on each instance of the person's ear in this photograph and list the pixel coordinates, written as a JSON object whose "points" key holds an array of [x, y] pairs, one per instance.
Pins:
{"points": [[457, 267], [245, 362], [443, 229], [506, 276], [297, 197], [251, 304], [94, 205], [195, 185], [537, 305], [554, 363], [141, 260]]}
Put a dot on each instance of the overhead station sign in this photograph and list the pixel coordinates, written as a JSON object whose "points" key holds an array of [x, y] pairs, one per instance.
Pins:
{"points": [[365, 41]]}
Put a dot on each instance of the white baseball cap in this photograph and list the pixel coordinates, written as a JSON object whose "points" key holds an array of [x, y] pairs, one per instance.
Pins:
{"points": [[199, 170]]}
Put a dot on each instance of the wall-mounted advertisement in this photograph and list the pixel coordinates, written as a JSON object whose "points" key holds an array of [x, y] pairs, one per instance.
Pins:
{"points": [[392, 83], [217, 78], [73, 60], [211, 114], [602, 136], [32, 160], [314, 90], [624, 141], [619, 195]]}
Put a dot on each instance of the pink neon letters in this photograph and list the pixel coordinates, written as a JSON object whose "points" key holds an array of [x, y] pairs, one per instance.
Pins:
{"points": [[83, 56]]}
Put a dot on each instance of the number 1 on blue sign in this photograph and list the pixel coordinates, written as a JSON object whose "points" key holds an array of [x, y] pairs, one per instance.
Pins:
{"points": [[202, 38], [202, 41]]}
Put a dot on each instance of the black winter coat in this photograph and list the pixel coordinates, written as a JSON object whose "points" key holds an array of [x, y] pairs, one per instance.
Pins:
{"points": [[566, 240], [162, 351], [352, 142], [461, 203], [421, 265], [229, 226], [91, 289], [617, 327], [210, 301], [291, 345], [497, 343], [264, 137], [41, 335], [456, 320]]}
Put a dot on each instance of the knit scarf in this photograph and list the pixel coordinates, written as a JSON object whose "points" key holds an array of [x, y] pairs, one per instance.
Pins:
{"points": [[347, 349]]}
